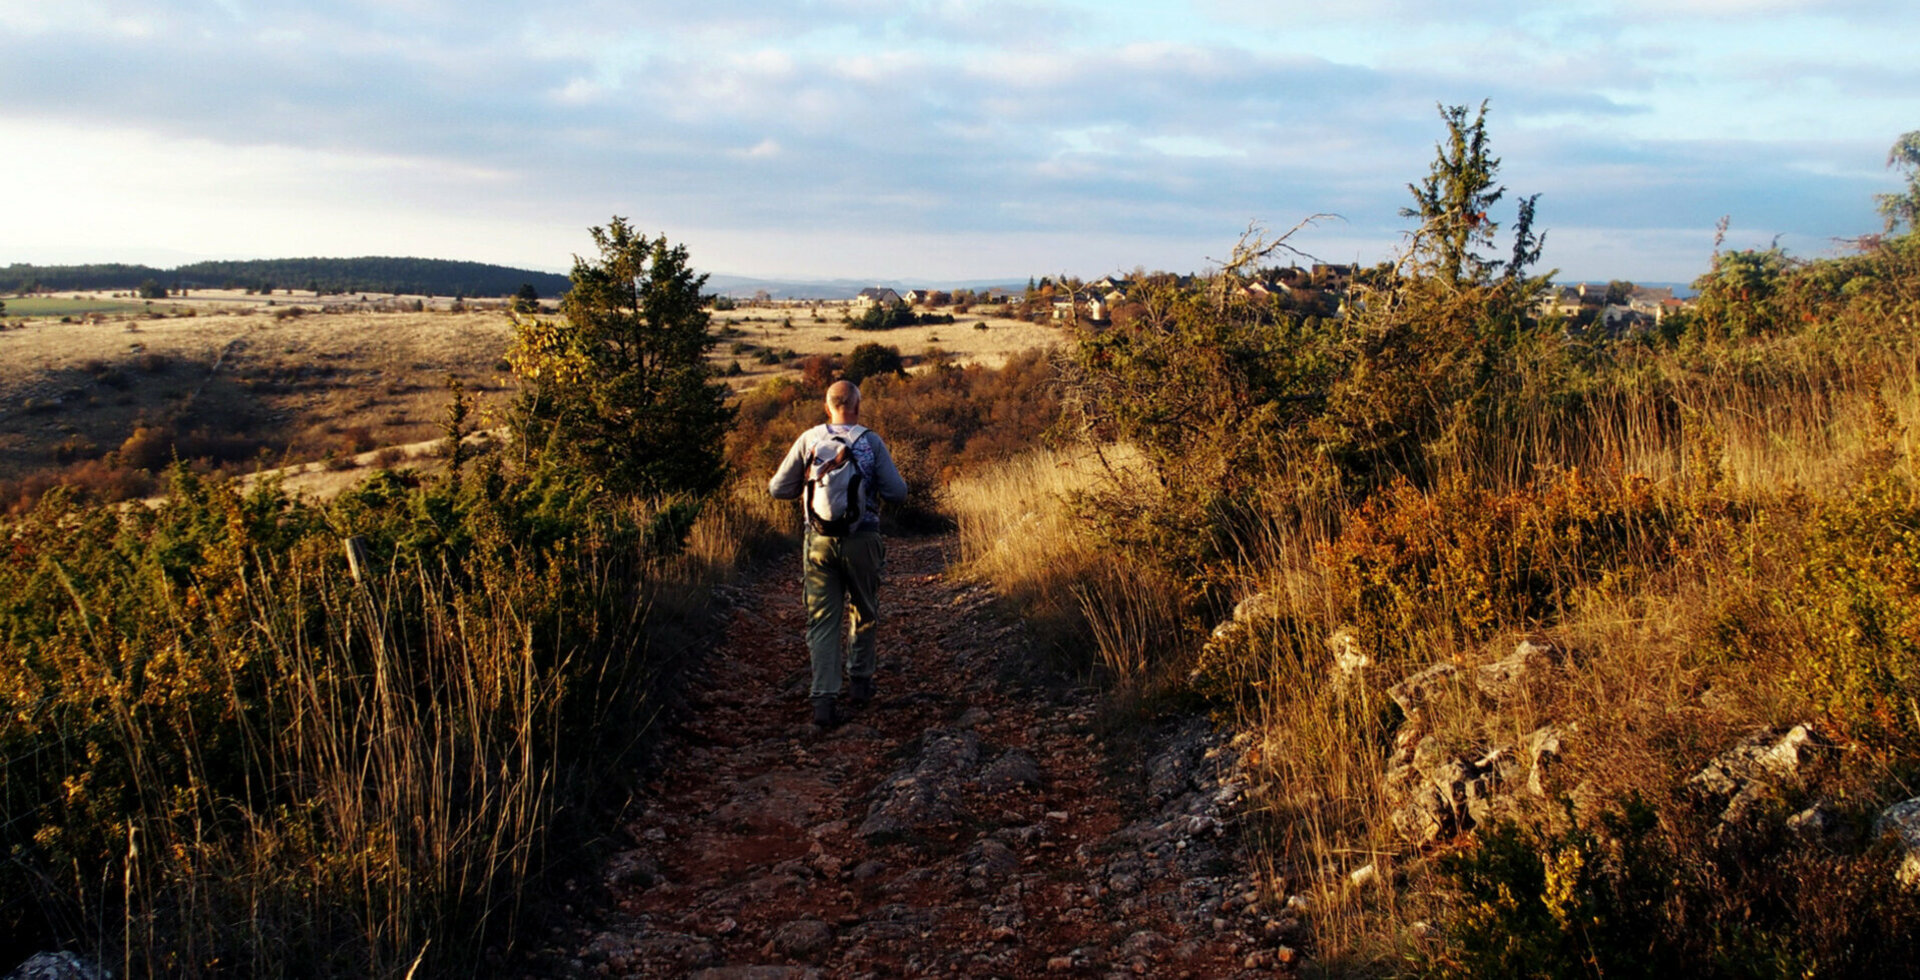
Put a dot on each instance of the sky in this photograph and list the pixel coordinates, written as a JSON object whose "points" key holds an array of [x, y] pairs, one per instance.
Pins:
{"points": [[935, 140]]}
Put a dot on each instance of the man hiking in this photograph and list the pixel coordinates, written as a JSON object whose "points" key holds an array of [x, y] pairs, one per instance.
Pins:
{"points": [[842, 470]]}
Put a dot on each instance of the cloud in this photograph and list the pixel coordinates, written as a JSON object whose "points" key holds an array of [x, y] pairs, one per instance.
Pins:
{"points": [[991, 121]]}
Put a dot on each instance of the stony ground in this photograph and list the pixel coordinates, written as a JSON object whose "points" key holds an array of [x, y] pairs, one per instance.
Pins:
{"points": [[967, 823]]}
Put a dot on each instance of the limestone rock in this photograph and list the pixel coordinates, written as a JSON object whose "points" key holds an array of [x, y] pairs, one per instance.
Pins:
{"points": [[1505, 679], [1349, 659], [56, 966], [1822, 826], [1903, 820], [1416, 691], [1543, 747], [1751, 771], [1260, 605]]}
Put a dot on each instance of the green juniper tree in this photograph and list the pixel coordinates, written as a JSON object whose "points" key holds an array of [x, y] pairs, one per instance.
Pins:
{"points": [[619, 386], [1454, 206], [1903, 209]]}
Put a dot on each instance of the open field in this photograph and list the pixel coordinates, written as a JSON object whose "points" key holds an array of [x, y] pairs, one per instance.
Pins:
{"points": [[78, 304], [284, 386], [820, 328], [248, 384]]}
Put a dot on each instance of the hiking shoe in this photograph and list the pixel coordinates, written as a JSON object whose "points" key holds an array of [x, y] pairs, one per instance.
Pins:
{"points": [[860, 689], [824, 717]]}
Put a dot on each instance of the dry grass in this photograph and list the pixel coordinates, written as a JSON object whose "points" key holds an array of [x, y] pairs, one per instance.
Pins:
{"points": [[280, 768], [766, 328], [1666, 530], [265, 389], [298, 387], [1020, 531]]}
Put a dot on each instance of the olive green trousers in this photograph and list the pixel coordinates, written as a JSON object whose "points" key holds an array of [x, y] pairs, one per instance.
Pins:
{"points": [[838, 574]]}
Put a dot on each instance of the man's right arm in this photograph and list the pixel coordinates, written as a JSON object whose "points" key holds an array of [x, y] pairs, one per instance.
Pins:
{"points": [[787, 480]]}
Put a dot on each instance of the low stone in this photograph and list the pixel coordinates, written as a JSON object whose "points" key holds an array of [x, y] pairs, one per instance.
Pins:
{"points": [[756, 973], [1543, 746], [1903, 821], [1015, 769], [927, 792], [1170, 772], [1059, 964], [632, 868], [1349, 658], [1822, 826], [1418, 690], [1762, 755], [1258, 606], [993, 858], [56, 966], [1751, 770], [1507, 678], [779, 801], [803, 939], [1364, 877], [1430, 753], [869, 868]]}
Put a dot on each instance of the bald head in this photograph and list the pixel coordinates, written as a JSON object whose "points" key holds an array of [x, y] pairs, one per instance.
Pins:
{"points": [[843, 402]]}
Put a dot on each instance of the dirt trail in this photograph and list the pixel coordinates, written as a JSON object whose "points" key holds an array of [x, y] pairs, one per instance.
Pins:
{"points": [[964, 824]]}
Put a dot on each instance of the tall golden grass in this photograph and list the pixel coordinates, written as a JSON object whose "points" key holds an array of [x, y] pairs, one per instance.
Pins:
{"points": [[226, 753]]}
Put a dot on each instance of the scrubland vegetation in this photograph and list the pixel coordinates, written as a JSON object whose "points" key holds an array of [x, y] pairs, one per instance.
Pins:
{"points": [[256, 735], [232, 748], [1701, 532]]}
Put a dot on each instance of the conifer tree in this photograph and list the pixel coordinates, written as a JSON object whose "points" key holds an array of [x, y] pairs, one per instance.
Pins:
{"points": [[619, 386]]}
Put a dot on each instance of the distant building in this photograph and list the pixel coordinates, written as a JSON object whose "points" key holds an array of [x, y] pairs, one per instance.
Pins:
{"points": [[876, 296]]}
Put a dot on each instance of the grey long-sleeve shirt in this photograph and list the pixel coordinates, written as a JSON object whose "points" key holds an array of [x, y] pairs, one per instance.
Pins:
{"points": [[879, 477]]}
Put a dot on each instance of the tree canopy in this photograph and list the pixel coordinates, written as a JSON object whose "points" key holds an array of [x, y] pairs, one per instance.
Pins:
{"points": [[619, 387], [1454, 205], [1904, 208]]}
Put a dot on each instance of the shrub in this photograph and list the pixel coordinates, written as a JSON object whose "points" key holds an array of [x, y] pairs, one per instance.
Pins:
{"points": [[1415, 571], [871, 359], [1626, 898]]}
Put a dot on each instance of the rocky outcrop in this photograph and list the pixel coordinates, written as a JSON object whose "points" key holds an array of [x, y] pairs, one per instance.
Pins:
{"points": [[1756, 769], [1440, 785], [1531, 666], [928, 792]]}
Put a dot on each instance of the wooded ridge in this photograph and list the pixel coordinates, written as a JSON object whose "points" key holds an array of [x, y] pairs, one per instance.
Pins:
{"points": [[367, 274]]}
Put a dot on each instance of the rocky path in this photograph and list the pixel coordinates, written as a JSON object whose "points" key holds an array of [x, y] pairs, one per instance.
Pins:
{"points": [[965, 824]]}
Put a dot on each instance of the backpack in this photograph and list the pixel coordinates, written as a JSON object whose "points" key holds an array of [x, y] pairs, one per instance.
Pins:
{"points": [[833, 496]]}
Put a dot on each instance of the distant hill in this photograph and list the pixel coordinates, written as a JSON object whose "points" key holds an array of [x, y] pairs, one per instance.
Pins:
{"points": [[369, 274]]}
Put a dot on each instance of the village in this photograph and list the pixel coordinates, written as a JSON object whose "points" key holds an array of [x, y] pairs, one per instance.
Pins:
{"points": [[1617, 308]]}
